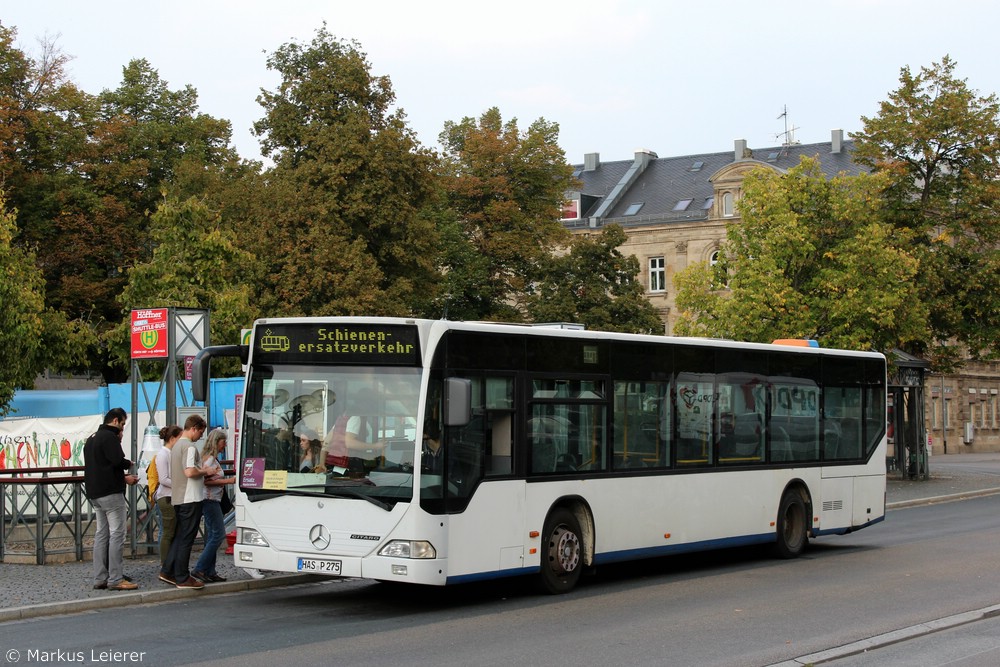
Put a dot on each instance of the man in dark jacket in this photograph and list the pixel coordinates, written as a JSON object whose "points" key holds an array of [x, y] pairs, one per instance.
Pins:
{"points": [[104, 475]]}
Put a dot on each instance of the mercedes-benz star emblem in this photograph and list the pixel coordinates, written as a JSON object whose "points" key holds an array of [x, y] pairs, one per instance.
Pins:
{"points": [[319, 536]]}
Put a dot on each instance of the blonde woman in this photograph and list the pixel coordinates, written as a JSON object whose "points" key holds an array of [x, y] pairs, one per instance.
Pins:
{"points": [[211, 506]]}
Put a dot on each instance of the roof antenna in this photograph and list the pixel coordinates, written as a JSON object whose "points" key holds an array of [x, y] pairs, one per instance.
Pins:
{"points": [[789, 133]]}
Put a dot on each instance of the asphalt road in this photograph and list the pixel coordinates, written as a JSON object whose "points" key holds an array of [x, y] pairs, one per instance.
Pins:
{"points": [[733, 608]]}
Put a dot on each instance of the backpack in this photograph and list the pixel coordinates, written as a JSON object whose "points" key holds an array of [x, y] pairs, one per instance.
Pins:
{"points": [[153, 478]]}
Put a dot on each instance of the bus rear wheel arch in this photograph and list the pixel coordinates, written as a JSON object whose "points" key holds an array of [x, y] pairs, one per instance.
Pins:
{"points": [[792, 525], [562, 552]]}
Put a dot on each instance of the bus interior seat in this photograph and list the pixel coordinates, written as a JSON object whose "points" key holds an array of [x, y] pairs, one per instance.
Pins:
{"points": [[831, 439], [781, 446], [543, 455], [747, 434], [850, 438]]}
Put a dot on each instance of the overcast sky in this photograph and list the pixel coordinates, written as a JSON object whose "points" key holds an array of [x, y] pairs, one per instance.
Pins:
{"points": [[674, 77]]}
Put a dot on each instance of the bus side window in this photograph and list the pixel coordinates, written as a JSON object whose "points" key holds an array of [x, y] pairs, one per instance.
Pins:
{"points": [[500, 452], [495, 411]]}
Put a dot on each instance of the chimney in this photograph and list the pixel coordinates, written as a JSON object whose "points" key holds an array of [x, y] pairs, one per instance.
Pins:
{"points": [[591, 161], [740, 150], [836, 140], [644, 156]]}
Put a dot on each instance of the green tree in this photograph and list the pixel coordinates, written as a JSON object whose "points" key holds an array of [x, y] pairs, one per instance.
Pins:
{"points": [[938, 141], [86, 171], [811, 258], [595, 284], [194, 264], [505, 188], [339, 222], [32, 338]]}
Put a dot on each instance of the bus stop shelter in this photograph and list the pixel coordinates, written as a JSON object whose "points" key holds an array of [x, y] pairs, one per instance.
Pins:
{"points": [[908, 455]]}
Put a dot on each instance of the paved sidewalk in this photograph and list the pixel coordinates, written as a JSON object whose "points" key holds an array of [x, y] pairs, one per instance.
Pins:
{"points": [[40, 590]]}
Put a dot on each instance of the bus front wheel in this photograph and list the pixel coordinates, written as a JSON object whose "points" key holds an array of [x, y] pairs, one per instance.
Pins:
{"points": [[792, 528], [562, 552]]}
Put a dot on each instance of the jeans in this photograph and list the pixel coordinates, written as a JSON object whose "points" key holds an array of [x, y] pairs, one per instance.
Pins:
{"points": [[168, 528], [109, 541], [179, 556], [215, 532]]}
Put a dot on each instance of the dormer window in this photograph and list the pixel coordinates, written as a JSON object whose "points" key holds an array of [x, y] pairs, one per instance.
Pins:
{"points": [[633, 208], [728, 209]]}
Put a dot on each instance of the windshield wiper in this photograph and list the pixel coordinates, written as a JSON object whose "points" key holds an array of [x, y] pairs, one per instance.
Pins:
{"points": [[348, 491]]}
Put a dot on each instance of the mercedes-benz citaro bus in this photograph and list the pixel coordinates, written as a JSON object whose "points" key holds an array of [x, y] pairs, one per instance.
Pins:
{"points": [[438, 452]]}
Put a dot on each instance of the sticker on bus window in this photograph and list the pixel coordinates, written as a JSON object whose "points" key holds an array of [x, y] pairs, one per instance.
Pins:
{"points": [[252, 474]]}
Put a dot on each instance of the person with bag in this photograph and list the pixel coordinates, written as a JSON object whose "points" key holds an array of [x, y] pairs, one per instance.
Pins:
{"points": [[162, 490], [215, 488]]}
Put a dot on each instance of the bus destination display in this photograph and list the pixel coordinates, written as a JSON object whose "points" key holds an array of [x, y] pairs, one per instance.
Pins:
{"points": [[337, 343]]}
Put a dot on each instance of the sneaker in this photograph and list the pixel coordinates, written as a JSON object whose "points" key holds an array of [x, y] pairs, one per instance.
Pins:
{"points": [[190, 582], [216, 577], [123, 586], [101, 586], [167, 579], [200, 576]]}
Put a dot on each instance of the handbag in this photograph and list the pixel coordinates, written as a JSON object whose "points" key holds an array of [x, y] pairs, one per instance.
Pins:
{"points": [[227, 504]]}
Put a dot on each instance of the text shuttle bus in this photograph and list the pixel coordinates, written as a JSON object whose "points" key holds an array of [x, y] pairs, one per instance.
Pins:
{"points": [[560, 450]]}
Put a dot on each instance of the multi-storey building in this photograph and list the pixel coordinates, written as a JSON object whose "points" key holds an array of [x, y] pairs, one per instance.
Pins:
{"points": [[675, 211]]}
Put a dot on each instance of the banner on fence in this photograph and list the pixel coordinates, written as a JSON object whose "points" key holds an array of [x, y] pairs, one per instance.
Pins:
{"points": [[55, 442]]}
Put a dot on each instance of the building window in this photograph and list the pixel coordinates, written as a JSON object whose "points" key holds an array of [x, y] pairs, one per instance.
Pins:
{"points": [[708, 203], [657, 275], [713, 259], [728, 210], [571, 209], [682, 205], [633, 208]]}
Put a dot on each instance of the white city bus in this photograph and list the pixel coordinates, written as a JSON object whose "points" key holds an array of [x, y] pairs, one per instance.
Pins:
{"points": [[559, 450]]}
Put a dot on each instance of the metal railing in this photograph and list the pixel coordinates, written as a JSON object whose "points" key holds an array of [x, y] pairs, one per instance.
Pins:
{"points": [[46, 513]]}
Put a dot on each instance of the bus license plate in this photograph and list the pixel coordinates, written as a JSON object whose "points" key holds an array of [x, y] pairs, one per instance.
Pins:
{"points": [[319, 566]]}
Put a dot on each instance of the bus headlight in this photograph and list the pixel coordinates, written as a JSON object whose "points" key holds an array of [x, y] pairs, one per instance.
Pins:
{"points": [[252, 537], [408, 549]]}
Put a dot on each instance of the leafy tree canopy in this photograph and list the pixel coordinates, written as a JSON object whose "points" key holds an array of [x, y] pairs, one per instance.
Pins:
{"points": [[194, 265], [938, 142], [32, 338], [505, 188], [812, 258], [595, 284], [342, 212]]}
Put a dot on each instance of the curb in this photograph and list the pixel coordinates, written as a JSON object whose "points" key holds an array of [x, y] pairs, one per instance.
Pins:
{"points": [[147, 597], [883, 640], [902, 504]]}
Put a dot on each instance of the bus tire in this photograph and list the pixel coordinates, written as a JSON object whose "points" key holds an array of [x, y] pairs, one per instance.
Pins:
{"points": [[792, 526], [562, 553]]}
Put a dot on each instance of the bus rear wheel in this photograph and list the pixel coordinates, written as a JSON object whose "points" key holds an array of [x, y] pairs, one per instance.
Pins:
{"points": [[562, 553], [792, 529]]}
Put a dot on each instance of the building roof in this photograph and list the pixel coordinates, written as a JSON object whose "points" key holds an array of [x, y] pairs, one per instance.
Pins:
{"points": [[661, 184]]}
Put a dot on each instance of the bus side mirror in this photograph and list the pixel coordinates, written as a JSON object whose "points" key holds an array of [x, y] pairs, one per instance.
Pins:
{"points": [[202, 364], [457, 401]]}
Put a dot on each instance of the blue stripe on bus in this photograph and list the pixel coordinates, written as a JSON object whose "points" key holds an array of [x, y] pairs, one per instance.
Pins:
{"points": [[495, 574], [667, 550], [654, 552]]}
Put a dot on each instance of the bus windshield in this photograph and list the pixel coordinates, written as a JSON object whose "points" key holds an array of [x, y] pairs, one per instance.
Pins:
{"points": [[339, 431]]}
